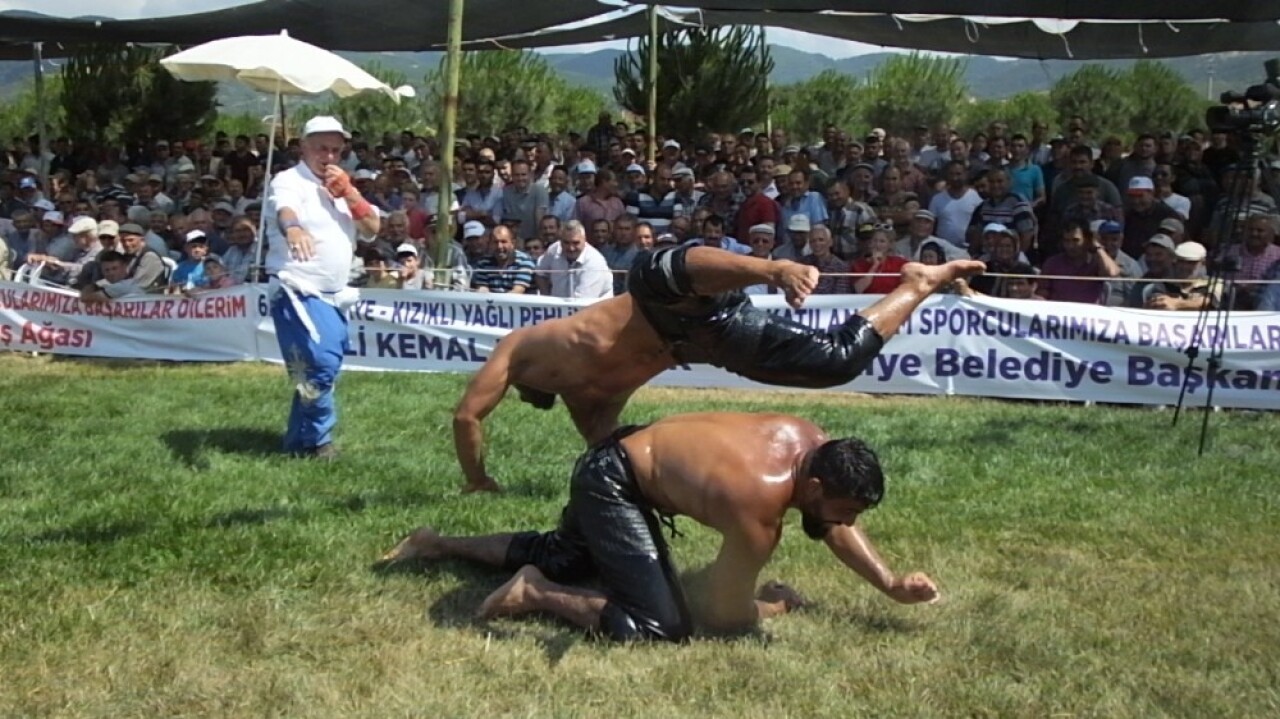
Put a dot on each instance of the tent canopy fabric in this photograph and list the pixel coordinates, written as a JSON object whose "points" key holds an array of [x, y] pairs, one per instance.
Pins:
{"points": [[977, 36], [1106, 30], [1084, 41], [368, 25], [1234, 10]]}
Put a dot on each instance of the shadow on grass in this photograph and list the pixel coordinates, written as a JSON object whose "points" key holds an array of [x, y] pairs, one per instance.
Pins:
{"points": [[456, 608], [90, 534], [190, 445]]}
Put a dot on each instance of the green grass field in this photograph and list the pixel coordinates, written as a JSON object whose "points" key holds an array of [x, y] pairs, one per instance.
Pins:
{"points": [[160, 560]]}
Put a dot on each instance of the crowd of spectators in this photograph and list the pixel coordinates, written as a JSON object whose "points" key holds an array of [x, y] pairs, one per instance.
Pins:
{"points": [[1064, 217]]}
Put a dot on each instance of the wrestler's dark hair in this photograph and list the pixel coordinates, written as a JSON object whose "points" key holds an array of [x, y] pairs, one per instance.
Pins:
{"points": [[848, 468]]}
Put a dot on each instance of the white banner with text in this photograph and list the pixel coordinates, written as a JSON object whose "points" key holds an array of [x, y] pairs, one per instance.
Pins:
{"points": [[215, 326], [981, 347]]}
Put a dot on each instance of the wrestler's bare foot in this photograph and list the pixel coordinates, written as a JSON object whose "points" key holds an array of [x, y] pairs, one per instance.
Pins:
{"points": [[488, 485], [512, 597], [423, 543], [929, 278]]}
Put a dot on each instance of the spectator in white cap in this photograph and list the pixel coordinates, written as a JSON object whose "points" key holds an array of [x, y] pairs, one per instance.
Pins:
{"points": [[670, 153], [475, 241], [314, 215], [1189, 290], [761, 238], [919, 233], [796, 246], [1176, 229], [242, 250], [584, 176], [1143, 214], [53, 239], [412, 276], [68, 255], [635, 180], [189, 274], [684, 197], [1158, 259]]}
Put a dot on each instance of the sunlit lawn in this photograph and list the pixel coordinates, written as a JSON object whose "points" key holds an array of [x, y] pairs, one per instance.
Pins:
{"points": [[160, 559]]}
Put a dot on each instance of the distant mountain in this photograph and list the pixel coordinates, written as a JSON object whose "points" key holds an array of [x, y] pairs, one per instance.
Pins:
{"points": [[987, 77]]}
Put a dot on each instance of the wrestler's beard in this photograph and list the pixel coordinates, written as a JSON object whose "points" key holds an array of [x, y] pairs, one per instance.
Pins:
{"points": [[815, 528]]}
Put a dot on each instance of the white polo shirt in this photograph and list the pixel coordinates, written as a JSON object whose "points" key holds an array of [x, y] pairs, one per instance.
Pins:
{"points": [[328, 221], [588, 277]]}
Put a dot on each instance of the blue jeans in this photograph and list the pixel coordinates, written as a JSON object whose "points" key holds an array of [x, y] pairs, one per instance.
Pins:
{"points": [[313, 366]]}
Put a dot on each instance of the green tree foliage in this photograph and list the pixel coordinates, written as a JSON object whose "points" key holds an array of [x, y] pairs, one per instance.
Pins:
{"points": [[1162, 99], [242, 123], [373, 113], [19, 116], [576, 108], [500, 89], [1019, 112], [168, 107], [909, 90], [1099, 94], [121, 93], [709, 79], [805, 108]]}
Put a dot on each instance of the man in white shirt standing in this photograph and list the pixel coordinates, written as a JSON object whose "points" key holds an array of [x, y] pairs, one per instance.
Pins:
{"points": [[314, 215], [954, 206], [571, 268]]}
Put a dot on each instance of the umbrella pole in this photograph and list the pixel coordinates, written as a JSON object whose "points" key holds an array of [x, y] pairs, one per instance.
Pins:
{"points": [[266, 183], [453, 68]]}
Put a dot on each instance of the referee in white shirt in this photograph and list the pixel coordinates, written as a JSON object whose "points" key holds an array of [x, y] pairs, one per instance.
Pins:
{"points": [[571, 268], [314, 215]]}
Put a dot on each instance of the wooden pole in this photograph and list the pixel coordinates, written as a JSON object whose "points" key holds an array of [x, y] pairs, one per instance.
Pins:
{"points": [[768, 101], [42, 118], [448, 133], [653, 83]]}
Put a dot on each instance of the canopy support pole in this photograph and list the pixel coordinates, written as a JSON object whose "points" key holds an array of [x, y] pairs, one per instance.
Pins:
{"points": [[42, 118], [453, 68], [653, 84], [768, 100]]}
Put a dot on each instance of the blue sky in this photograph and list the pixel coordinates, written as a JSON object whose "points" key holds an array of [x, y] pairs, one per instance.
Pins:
{"points": [[129, 9]]}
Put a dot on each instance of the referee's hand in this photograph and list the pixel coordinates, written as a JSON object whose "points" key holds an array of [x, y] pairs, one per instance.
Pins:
{"points": [[301, 246]]}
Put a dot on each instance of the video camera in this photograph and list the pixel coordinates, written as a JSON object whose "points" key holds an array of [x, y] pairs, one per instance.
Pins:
{"points": [[1256, 111]]}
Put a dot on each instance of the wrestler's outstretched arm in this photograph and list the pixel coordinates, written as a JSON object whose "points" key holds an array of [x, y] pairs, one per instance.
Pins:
{"points": [[484, 392], [713, 270], [853, 548]]}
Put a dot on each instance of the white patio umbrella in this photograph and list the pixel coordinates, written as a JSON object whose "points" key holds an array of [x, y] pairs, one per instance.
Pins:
{"points": [[280, 65]]}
